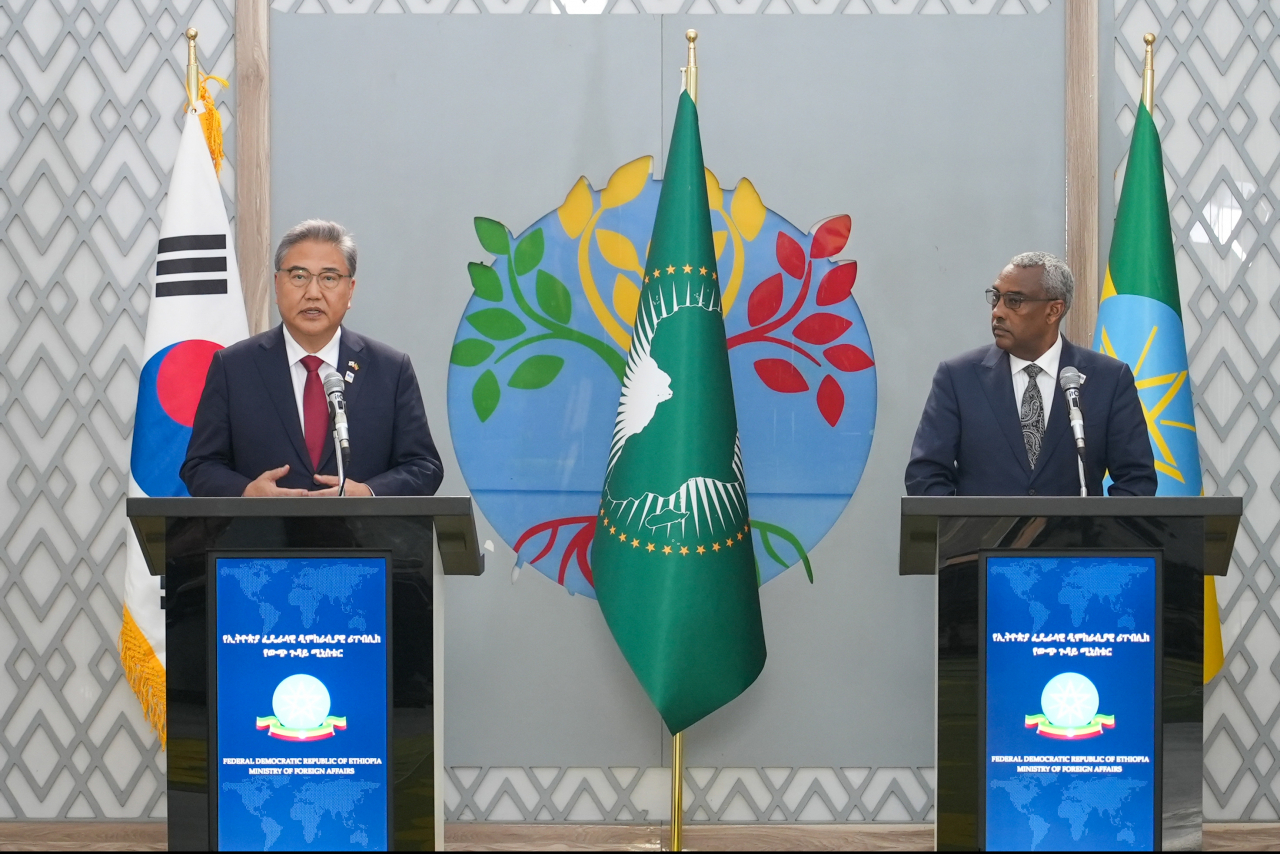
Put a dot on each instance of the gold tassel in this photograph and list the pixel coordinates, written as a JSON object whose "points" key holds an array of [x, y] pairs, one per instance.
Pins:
{"points": [[145, 674], [211, 120]]}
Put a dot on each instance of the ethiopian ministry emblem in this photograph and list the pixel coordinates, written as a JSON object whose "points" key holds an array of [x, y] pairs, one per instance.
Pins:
{"points": [[674, 569]]}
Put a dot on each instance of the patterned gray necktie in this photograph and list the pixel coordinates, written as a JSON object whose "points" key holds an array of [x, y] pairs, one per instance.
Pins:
{"points": [[1032, 415]]}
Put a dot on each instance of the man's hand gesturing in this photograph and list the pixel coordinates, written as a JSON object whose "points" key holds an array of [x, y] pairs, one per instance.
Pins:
{"points": [[265, 485]]}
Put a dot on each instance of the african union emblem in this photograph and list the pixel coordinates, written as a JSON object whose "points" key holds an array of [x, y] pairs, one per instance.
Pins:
{"points": [[541, 357], [301, 704], [1069, 705]]}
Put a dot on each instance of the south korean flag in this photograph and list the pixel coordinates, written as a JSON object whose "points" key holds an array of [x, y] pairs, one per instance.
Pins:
{"points": [[196, 309]]}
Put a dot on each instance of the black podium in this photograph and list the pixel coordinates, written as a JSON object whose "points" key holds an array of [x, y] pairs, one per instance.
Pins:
{"points": [[391, 540], [964, 540]]}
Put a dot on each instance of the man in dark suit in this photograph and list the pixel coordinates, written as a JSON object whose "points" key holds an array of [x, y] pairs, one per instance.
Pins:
{"points": [[262, 427], [996, 422]]}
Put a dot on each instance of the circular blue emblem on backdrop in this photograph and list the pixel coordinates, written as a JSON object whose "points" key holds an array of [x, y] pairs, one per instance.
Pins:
{"points": [[541, 348]]}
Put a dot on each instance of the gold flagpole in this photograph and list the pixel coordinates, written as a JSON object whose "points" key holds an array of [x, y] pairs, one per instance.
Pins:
{"points": [[689, 79], [193, 70], [1149, 74]]}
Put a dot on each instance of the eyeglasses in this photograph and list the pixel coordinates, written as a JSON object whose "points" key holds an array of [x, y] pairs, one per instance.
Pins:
{"points": [[1013, 302], [300, 277]]}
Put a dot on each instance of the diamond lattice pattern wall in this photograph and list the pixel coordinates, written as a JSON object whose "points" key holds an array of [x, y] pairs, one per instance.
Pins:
{"points": [[92, 93], [1218, 110]]}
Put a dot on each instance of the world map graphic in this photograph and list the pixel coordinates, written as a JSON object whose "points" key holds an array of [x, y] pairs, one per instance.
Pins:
{"points": [[317, 807], [318, 581], [1091, 591], [1089, 807]]}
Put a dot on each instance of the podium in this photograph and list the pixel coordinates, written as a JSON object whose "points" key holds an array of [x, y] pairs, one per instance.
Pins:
{"points": [[1069, 665], [300, 665]]}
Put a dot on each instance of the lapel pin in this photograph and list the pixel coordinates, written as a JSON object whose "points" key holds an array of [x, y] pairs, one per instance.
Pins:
{"points": [[353, 366], [350, 376]]}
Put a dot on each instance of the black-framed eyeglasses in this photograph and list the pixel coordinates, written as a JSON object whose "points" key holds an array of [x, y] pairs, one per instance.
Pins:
{"points": [[1013, 302], [300, 277]]}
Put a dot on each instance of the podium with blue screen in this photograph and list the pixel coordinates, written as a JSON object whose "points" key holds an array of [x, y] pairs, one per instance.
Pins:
{"points": [[300, 666], [1070, 666]]}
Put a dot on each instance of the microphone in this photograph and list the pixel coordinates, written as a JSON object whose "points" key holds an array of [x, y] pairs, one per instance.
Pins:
{"points": [[333, 386], [1071, 380]]}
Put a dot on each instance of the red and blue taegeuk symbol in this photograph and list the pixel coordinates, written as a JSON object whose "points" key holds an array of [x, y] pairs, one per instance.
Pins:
{"points": [[168, 394]]}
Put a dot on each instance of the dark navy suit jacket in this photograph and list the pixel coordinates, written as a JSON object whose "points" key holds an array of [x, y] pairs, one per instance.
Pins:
{"points": [[969, 441], [247, 422]]}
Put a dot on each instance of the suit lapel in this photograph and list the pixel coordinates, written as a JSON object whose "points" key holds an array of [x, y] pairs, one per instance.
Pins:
{"points": [[1058, 425], [273, 366], [997, 383], [350, 346]]}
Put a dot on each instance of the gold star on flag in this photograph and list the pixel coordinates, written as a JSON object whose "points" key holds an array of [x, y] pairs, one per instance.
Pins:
{"points": [[715, 547], [739, 535], [635, 543], [671, 269], [622, 537], [729, 542], [657, 272], [646, 280], [713, 275], [684, 550], [611, 530], [702, 270], [701, 550], [688, 269], [649, 547], [666, 550]]}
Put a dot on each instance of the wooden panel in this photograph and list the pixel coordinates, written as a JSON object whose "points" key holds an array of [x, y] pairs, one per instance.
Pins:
{"points": [[1082, 165], [253, 158]]}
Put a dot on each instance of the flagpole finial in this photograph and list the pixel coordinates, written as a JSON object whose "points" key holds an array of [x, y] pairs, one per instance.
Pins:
{"points": [[1149, 73], [689, 74], [193, 70]]}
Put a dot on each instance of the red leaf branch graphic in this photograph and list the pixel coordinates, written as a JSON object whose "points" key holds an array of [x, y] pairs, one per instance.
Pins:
{"points": [[848, 358], [790, 256], [831, 237], [765, 300], [837, 284], [579, 546], [822, 328], [830, 399], [781, 376]]}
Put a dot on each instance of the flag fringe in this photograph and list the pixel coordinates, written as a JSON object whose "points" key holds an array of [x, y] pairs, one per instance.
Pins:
{"points": [[211, 121], [145, 674]]}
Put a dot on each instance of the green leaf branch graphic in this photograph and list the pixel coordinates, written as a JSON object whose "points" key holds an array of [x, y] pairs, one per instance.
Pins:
{"points": [[470, 352], [485, 282], [553, 297], [485, 395], [536, 372], [529, 252], [493, 236], [768, 529], [497, 324]]}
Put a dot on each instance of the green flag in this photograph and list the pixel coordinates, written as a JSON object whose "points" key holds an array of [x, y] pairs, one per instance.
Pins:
{"points": [[1140, 323], [672, 558]]}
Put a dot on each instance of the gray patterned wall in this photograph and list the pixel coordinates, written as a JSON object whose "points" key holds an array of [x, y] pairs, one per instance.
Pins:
{"points": [[92, 94], [1218, 110]]}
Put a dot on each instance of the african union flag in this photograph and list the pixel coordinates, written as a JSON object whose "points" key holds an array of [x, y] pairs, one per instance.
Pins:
{"points": [[1140, 322]]}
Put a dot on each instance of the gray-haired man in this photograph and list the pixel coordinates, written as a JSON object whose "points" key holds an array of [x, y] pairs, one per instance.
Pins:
{"points": [[996, 419], [262, 427]]}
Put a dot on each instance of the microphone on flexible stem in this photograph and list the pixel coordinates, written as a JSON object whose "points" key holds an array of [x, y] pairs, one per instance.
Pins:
{"points": [[333, 387], [1071, 380]]}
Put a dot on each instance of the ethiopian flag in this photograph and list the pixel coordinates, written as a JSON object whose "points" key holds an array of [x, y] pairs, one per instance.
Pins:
{"points": [[1140, 322], [674, 570]]}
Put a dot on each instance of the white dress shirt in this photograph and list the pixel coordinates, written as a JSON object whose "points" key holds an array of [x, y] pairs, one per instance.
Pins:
{"points": [[298, 372], [1048, 361]]}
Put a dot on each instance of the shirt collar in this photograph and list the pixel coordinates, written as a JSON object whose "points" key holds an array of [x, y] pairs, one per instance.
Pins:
{"points": [[328, 353], [1048, 360]]}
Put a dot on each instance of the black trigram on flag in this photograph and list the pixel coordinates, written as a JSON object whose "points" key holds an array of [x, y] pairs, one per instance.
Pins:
{"points": [[181, 259]]}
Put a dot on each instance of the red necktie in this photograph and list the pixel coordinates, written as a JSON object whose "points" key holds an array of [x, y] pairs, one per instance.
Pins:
{"points": [[315, 412]]}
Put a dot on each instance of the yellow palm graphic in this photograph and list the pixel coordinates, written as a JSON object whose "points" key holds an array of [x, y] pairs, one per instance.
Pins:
{"points": [[1172, 384]]}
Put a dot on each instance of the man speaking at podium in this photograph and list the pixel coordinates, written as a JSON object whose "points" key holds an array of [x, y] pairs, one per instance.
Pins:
{"points": [[997, 420], [263, 425]]}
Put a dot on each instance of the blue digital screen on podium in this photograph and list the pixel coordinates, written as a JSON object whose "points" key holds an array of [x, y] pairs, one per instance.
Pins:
{"points": [[301, 703], [1071, 657]]}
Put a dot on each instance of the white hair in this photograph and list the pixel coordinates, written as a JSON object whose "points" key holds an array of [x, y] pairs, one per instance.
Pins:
{"points": [[321, 231], [1057, 281]]}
